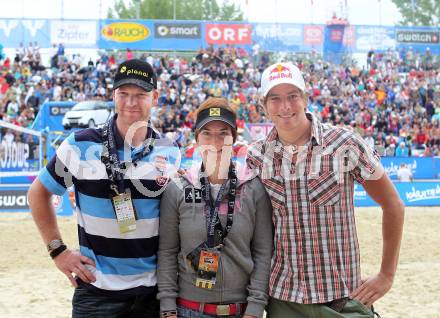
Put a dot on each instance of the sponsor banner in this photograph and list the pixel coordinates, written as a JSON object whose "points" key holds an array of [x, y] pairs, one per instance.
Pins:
{"points": [[349, 36], [427, 37], [421, 167], [125, 34], [177, 30], [313, 34], [191, 35], [180, 35], [334, 46], [19, 156], [278, 36], [419, 39], [19, 151], [58, 110], [374, 37], [239, 34], [74, 33], [411, 193], [14, 199], [15, 31], [51, 115]]}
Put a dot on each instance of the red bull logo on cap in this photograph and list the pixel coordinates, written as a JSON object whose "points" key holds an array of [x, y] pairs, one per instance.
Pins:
{"points": [[280, 71]]}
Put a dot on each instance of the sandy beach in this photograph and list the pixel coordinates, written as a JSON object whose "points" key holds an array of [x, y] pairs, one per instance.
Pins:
{"points": [[31, 285]]}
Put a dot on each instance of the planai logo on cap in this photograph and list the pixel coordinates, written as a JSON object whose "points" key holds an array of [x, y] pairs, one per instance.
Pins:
{"points": [[214, 112], [136, 72], [280, 71]]}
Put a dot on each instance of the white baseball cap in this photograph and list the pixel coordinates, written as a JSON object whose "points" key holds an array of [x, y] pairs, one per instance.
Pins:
{"points": [[281, 73]]}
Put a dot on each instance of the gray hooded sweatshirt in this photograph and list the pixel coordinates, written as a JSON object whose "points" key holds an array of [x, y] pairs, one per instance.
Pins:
{"points": [[244, 266]]}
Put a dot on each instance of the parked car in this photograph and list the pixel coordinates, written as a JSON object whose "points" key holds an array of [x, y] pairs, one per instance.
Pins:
{"points": [[87, 114]]}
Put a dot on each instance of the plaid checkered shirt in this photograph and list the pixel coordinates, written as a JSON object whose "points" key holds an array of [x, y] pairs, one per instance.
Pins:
{"points": [[316, 257]]}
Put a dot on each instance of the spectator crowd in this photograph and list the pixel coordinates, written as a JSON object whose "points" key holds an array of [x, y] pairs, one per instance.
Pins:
{"points": [[393, 102]]}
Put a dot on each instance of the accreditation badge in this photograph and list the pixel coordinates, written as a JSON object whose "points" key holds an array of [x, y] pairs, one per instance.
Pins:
{"points": [[208, 267], [125, 213]]}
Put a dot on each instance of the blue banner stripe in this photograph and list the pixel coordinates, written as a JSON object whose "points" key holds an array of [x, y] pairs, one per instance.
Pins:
{"points": [[411, 193], [121, 266], [421, 167], [146, 35]]}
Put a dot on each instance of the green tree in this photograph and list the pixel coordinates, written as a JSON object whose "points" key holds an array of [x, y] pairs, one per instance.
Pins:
{"points": [[419, 12], [182, 10]]}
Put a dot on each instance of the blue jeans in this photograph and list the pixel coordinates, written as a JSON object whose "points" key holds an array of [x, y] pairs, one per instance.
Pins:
{"points": [[87, 304], [183, 312]]}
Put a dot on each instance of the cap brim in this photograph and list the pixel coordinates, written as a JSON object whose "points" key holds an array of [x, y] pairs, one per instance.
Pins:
{"points": [[133, 81], [279, 83], [209, 119]]}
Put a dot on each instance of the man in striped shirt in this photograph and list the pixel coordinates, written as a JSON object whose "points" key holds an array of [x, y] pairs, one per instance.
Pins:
{"points": [[118, 172], [309, 170]]}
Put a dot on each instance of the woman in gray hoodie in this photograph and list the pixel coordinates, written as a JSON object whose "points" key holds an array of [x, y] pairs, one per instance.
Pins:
{"points": [[216, 235]]}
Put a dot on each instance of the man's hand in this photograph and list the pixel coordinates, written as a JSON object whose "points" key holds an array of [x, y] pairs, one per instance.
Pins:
{"points": [[373, 288], [249, 316], [72, 262]]}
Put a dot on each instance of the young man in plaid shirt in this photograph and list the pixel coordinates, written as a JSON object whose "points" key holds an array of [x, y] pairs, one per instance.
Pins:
{"points": [[309, 169]]}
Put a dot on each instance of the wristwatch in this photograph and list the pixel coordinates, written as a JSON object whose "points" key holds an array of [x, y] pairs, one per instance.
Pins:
{"points": [[54, 244]]}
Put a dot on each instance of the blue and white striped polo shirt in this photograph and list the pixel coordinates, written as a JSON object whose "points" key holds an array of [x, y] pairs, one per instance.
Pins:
{"points": [[125, 263]]}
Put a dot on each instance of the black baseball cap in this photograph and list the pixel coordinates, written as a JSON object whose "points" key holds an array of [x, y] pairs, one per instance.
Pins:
{"points": [[216, 113], [135, 72]]}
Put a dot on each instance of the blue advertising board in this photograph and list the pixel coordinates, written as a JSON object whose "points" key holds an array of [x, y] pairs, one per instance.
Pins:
{"points": [[50, 116], [125, 34], [378, 38], [334, 46], [174, 35], [14, 199], [421, 167], [411, 193], [418, 38], [278, 36], [16, 31], [180, 35]]}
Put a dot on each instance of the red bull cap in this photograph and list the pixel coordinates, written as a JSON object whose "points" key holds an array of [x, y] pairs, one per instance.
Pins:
{"points": [[281, 73]]}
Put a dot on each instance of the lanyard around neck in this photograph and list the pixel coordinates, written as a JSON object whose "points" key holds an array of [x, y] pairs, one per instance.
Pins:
{"points": [[216, 232], [114, 167]]}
